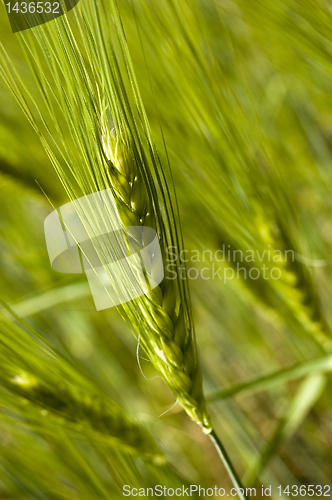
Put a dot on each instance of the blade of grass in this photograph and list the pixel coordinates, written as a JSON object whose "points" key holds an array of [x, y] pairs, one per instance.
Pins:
{"points": [[45, 300], [296, 411], [259, 384]]}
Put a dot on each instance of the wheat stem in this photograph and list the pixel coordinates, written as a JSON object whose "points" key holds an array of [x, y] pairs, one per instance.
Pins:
{"points": [[228, 465]]}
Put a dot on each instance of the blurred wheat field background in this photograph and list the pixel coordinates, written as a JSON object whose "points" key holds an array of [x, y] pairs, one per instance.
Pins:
{"points": [[238, 96]]}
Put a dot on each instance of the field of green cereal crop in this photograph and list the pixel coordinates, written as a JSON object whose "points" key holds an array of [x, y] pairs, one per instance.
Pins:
{"points": [[165, 249]]}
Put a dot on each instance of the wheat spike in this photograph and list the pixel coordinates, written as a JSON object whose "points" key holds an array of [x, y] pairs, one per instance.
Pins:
{"points": [[162, 324], [117, 160]]}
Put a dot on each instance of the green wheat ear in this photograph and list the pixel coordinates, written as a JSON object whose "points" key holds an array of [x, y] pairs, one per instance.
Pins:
{"points": [[161, 317], [94, 158]]}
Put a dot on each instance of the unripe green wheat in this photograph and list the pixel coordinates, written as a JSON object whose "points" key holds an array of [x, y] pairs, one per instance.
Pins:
{"points": [[161, 324], [122, 162]]}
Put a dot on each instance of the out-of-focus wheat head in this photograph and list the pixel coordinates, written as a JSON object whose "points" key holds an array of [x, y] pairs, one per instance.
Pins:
{"points": [[29, 369]]}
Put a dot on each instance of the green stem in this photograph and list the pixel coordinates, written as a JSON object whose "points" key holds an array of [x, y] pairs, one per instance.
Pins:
{"points": [[322, 364], [228, 465]]}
